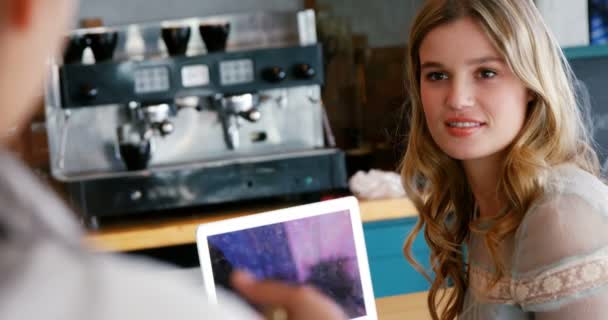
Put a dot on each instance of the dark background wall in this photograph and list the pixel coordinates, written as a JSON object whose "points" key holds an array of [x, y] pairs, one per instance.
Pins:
{"points": [[385, 22]]}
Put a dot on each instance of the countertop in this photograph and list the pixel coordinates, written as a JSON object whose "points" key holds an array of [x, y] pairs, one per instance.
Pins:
{"points": [[181, 230]]}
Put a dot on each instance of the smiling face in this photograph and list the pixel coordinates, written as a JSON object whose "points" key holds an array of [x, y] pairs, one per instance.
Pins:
{"points": [[473, 104]]}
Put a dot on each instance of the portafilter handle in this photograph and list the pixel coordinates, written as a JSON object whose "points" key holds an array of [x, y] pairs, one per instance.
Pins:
{"points": [[244, 105], [232, 107], [154, 118]]}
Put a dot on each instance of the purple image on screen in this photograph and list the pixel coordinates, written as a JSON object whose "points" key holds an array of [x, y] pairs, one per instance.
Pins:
{"points": [[318, 250]]}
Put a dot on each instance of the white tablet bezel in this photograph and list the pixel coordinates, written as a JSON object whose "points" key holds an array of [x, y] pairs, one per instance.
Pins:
{"points": [[349, 204]]}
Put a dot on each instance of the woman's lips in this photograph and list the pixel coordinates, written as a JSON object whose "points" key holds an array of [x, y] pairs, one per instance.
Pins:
{"points": [[463, 127]]}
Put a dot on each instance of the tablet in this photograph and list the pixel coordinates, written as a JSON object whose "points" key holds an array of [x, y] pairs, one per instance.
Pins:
{"points": [[319, 244]]}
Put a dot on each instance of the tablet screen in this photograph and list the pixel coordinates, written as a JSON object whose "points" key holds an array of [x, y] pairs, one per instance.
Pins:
{"points": [[317, 250]]}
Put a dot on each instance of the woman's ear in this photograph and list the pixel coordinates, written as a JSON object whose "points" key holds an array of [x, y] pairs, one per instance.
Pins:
{"points": [[19, 13]]}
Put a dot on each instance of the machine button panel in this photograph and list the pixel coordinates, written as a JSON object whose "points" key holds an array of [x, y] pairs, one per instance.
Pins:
{"points": [[157, 80], [236, 71], [149, 80], [195, 75]]}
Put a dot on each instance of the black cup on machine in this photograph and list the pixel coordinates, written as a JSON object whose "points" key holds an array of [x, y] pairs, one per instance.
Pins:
{"points": [[103, 45], [176, 39], [135, 149], [215, 36], [74, 48], [135, 155]]}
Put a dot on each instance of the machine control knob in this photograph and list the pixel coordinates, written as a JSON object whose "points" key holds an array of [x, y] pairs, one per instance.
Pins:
{"points": [[274, 74], [304, 71], [89, 92]]}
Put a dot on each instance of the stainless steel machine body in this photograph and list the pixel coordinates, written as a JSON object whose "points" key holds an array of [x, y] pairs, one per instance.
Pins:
{"points": [[164, 115]]}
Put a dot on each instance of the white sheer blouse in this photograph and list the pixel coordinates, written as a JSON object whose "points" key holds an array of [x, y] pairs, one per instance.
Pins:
{"points": [[558, 258]]}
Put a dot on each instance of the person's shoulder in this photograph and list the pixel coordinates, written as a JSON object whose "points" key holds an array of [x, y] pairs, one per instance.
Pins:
{"points": [[570, 217], [568, 177], [568, 182]]}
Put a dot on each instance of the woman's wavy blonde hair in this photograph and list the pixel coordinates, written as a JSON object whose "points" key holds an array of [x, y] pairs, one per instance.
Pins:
{"points": [[553, 133]]}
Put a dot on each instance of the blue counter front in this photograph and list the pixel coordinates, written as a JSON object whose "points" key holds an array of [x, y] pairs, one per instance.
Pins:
{"points": [[391, 272]]}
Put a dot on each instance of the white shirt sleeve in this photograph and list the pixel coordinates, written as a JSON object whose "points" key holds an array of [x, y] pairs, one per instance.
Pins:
{"points": [[63, 283]]}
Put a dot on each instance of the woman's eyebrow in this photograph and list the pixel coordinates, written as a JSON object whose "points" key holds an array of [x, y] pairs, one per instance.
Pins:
{"points": [[474, 61], [484, 60], [431, 64]]}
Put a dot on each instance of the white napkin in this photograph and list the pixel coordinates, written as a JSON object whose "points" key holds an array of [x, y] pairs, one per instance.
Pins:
{"points": [[376, 184]]}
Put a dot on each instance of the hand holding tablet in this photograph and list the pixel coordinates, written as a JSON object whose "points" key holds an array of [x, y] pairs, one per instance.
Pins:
{"points": [[298, 302], [318, 246]]}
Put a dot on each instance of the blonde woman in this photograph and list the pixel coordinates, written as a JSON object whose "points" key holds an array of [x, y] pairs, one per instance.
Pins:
{"points": [[500, 167]]}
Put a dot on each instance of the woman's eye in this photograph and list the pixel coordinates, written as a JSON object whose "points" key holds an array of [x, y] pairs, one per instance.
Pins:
{"points": [[436, 76], [487, 74]]}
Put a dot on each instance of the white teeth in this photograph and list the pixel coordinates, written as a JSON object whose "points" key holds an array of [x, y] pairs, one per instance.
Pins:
{"points": [[464, 124]]}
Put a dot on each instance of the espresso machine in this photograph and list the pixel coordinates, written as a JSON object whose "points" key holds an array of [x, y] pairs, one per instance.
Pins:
{"points": [[198, 111]]}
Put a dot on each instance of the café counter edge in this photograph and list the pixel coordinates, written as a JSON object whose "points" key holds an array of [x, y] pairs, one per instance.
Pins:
{"points": [[179, 231]]}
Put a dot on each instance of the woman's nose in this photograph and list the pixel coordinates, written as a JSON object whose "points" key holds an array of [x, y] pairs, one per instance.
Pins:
{"points": [[460, 94]]}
